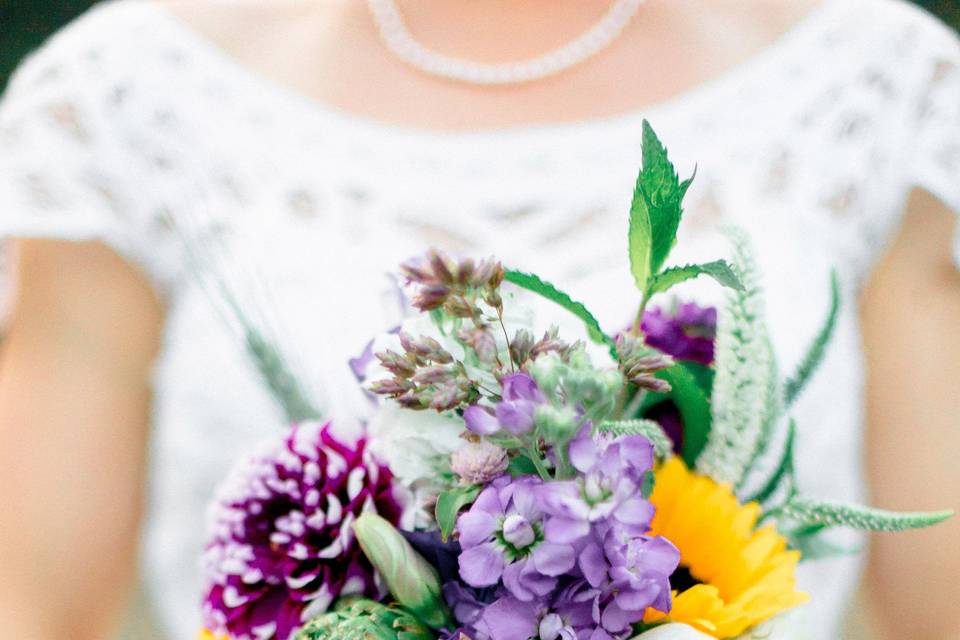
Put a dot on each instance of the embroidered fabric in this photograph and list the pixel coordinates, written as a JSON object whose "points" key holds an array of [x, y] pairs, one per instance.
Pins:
{"points": [[130, 128]]}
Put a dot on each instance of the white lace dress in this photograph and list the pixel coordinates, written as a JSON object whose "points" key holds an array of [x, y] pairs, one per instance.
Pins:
{"points": [[130, 128]]}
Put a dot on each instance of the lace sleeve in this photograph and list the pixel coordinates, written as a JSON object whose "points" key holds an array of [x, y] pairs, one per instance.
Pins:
{"points": [[934, 158], [63, 167]]}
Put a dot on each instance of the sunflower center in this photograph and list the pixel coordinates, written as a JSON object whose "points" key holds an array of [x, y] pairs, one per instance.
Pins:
{"points": [[682, 579]]}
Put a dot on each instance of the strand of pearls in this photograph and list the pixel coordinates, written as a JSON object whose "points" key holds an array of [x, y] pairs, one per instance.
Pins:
{"points": [[399, 40]]}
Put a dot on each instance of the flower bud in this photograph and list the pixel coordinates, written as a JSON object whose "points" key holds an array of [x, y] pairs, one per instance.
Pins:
{"points": [[555, 424], [479, 462], [410, 579]]}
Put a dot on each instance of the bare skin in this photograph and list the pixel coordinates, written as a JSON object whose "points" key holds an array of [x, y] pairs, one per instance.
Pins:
{"points": [[86, 326]]}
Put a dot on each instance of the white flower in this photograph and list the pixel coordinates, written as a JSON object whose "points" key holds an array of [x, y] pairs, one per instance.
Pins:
{"points": [[414, 444]]}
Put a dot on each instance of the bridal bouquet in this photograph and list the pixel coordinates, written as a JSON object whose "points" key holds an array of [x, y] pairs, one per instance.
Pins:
{"points": [[513, 484]]}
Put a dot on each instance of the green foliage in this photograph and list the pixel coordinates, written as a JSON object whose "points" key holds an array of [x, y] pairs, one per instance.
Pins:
{"points": [[520, 465], [746, 386], [273, 368], [693, 402], [639, 239], [649, 429], [363, 619], [449, 504], [412, 581], [784, 468], [719, 270], [818, 348], [662, 193], [533, 283], [833, 514]]}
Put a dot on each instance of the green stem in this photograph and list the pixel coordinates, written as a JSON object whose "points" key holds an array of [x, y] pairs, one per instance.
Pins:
{"points": [[534, 455]]}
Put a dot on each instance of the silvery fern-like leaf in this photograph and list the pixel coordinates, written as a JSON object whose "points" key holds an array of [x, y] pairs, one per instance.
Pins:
{"points": [[833, 514], [746, 389], [652, 431]]}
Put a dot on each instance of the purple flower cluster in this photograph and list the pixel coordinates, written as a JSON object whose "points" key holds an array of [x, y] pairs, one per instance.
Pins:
{"points": [[570, 559], [513, 414], [686, 334], [281, 547]]}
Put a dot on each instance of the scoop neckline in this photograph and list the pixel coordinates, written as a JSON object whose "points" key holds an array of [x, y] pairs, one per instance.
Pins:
{"points": [[366, 127]]}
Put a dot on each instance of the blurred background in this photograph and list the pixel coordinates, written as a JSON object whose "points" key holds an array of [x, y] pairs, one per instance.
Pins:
{"points": [[25, 24]]}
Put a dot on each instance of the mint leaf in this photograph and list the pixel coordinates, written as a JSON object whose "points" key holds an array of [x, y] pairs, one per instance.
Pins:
{"points": [[533, 283], [719, 270], [449, 504], [663, 194], [640, 238]]}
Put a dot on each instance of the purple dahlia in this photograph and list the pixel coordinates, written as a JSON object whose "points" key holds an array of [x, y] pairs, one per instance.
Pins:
{"points": [[281, 548], [686, 334]]}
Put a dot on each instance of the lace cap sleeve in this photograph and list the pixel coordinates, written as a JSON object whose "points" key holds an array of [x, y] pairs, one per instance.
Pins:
{"points": [[63, 170], [934, 145]]}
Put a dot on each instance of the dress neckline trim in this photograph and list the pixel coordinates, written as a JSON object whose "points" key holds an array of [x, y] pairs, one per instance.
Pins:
{"points": [[359, 127]]}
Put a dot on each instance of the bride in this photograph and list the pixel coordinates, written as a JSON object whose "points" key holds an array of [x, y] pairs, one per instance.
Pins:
{"points": [[321, 142]]}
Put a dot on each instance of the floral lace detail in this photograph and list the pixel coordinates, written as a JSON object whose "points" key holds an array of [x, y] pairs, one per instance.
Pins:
{"points": [[130, 128]]}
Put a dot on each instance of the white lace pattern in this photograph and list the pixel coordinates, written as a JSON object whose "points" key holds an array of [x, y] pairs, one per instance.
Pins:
{"points": [[130, 128]]}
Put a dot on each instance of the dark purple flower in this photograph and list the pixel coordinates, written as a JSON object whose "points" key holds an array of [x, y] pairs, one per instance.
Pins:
{"points": [[281, 546], [514, 413], [668, 416], [687, 334]]}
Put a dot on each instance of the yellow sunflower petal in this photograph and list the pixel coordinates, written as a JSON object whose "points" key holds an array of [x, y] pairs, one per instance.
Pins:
{"points": [[747, 575]]}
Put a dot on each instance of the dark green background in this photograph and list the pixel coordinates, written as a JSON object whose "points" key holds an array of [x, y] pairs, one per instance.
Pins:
{"points": [[24, 24]]}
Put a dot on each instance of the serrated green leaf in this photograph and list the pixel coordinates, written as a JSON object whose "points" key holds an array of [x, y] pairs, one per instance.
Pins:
{"points": [[449, 504], [652, 431], [818, 348], [663, 194], [640, 238], [719, 270], [534, 283], [835, 514]]}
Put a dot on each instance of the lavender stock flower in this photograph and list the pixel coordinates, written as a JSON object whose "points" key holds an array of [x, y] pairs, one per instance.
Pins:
{"points": [[502, 539], [515, 411]]}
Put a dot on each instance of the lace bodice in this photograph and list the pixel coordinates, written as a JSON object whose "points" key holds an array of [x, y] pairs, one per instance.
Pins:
{"points": [[130, 128]]}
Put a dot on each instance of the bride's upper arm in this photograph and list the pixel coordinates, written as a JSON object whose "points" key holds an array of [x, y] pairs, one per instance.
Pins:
{"points": [[74, 405]]}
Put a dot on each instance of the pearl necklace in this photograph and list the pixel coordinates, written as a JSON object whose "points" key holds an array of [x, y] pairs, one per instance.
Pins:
{"points": [[402, 44]]}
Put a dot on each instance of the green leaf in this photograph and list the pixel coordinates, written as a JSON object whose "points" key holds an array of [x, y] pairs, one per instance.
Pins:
{"points": [[663, 194], [649, 429], [719, 270], [640, 238], [649, 480], [449, 504], [533, 283], [521, 465], [818, 348], [784, 468], [694, 407], [835, 514]]}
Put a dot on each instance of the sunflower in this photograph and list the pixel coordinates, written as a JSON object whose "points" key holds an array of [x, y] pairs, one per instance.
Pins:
{"points": [[732, 575]]}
